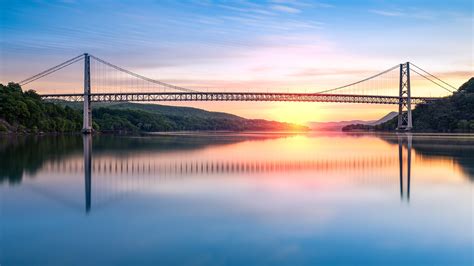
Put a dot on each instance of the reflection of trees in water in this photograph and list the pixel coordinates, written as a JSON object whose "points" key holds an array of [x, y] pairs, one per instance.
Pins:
{"points": [[462, 155], [21, 154], [27, 154], [458, 148], [119, 145]]}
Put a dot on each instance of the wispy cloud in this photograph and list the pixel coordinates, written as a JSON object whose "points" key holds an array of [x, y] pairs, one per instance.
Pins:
{"points": [[387, 13], [285, 9], [410, 12], [244, 9], [300, 3]]}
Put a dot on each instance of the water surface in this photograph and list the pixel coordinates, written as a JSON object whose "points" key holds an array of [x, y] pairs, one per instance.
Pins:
{"points": [[237, 199]]}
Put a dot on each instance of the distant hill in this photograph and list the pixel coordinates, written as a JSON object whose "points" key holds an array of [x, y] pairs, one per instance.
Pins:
{"points": [[159, 109], [337, 126], [175, 111], [154, 117], [334, 126], [384, 119]]}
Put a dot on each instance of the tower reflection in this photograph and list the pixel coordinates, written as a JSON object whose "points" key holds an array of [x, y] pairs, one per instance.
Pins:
{"points": [[87, 144], [404, 139]]}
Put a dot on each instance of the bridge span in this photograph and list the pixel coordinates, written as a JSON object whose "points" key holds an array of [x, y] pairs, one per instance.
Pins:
{"points": [[234, 96]]}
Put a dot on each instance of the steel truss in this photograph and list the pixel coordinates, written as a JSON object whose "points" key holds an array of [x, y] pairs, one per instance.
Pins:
{"points": [[233, 96]]}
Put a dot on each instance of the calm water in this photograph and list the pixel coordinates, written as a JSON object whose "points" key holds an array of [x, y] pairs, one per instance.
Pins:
{"points": [[237, 199]]}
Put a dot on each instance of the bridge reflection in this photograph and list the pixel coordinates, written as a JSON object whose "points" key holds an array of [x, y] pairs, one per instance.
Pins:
{"points": [[402, 139], [87, 143], [135, 168]]}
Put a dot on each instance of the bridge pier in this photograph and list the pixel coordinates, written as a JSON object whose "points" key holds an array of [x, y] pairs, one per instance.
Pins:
{"points": [[87, 117], [404, 104]]}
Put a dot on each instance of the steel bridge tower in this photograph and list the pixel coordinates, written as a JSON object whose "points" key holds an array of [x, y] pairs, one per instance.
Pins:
{"points": [[87, 119], [404, 104]]}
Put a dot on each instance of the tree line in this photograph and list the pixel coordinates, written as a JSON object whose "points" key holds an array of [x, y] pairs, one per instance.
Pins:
{"points": [[24, 111]]}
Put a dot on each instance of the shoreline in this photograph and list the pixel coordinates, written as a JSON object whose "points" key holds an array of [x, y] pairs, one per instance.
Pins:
{"points": [[248, 132]]}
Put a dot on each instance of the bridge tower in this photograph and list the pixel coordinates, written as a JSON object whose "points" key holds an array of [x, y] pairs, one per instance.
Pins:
{"points": [[404, 104], [87, 119]]}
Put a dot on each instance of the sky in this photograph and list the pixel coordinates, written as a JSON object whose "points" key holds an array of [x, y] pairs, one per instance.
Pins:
{"points": [[274, 45]]}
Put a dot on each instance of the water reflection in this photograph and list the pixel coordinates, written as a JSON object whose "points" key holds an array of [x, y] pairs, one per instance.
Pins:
{"points": [[112, 166], [87, 142], [134, 160], [404, 138], [252, 199], [27, 155]]}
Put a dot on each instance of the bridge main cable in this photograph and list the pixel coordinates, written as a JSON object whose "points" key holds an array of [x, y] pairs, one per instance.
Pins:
{"points": [[142, 77], [428, 73], [51, 70], [360, 81]]}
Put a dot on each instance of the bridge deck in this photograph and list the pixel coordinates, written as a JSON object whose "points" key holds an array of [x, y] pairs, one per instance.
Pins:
{"points": [[234, 96]]}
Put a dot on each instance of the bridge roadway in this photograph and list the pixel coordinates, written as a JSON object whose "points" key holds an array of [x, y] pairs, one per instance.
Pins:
{"points": [[235, 96]]}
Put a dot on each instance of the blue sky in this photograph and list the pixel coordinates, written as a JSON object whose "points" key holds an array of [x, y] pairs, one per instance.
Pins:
{"points": [[263, 44]]}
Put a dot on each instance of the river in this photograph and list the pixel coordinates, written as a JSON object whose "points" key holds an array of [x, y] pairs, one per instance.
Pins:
{"points": [[237, 199]]}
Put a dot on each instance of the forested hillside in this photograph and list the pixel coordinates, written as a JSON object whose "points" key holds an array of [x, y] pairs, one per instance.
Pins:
{"points": [[25, 112], [153, 117]]}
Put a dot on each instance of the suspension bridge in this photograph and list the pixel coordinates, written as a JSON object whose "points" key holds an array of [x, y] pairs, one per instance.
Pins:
{"points": [[106, 82]]}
